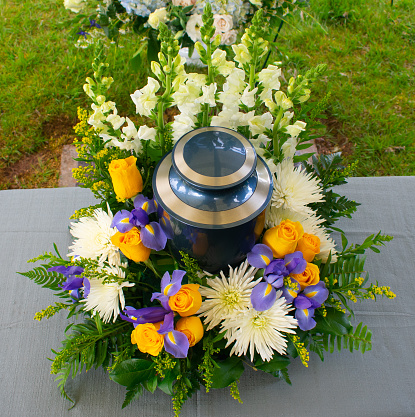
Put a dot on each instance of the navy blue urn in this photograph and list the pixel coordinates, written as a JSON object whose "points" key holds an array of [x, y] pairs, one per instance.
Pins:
{"points": [[214, 189]]}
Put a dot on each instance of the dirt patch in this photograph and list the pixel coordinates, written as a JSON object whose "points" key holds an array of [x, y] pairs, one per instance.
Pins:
{"points": [[334, 140], [41, 168]]}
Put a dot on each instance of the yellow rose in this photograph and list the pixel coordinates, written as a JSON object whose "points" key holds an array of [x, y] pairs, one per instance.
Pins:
{"points": [[131, 245], [309, 245], [187, 300], [126, 178], [192, 327], [282, 239], [310, 276], [147, 339]]}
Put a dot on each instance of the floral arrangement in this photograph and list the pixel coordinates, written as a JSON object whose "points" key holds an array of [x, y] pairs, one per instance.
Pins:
{"points": [[155, 320], [110, 18]]}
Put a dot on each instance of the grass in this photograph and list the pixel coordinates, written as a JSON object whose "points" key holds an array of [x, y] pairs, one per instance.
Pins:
{"points": [[369, 47]]}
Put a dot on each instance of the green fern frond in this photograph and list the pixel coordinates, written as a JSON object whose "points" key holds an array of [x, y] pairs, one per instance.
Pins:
{"points": [[41, 276]]}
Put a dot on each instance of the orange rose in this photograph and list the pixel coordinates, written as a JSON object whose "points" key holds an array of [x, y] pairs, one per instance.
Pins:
{"points": [[131, 246], [309, 245], [192, 327], [282, 239], [310, 276], [126, 178], [147, 339], [187, 300]]}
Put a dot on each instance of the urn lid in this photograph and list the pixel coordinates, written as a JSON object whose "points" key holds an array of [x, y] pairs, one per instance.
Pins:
{"points": [[214, 158], [212, 179]]}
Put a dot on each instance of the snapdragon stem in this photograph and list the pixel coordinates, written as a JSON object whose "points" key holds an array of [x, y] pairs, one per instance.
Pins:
{"points": [[209, 81], [161, 108], [275, 141]]}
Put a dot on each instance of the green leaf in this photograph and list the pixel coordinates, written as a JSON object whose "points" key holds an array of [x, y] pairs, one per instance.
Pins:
{"points": [[277, 363], [335, 322], [132, 372], [229, 371], [166, 385], [151, 383], [153, 46], [132, 395]]}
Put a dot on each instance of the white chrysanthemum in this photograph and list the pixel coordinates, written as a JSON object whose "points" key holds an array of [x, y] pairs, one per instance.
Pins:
{"points": [[261, 331], [311, 225], [294, 189], [227, 295], [105, 299], [93, 238]]}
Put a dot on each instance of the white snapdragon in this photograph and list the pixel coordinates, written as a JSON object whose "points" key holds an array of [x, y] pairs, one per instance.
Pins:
{"points": [[157, 17], [198, 80], [130, 130], [115, 120], [182, 124], [242, 54], [228, 117], [235, 81], [208, 95], [295, 129], [258, 124], [269, 77], [193, 26], [230, 100], [286, 118], [248, 97], [219, 61], [145, 99], [282, 100], [74, 5], [185, 98], [147, 133], [289, 147]]}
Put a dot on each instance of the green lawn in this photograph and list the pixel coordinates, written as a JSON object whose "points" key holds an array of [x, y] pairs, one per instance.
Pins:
{"points": [[369, 47]]}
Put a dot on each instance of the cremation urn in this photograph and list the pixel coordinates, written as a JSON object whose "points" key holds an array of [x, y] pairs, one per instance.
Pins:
{"points": [[213, 189]]}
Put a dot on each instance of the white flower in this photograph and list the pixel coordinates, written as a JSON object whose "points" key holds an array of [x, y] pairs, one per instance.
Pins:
{"points": [[230, 100], [184, 3], [286, 118], [105, 298], [93, 238], [186, 94], [228, 117], [259, 143], [159, 15], [260, 331], [222, 22], [294, 189], [296, 128], [208, 95], [115, 120], [193, 26], [258, 124], [197, 80], [257, 3], [269, 77], [235, 81], [248, 97], [282, 100], [225, 296], [289, 147], [182, 124], [228, 38], [74, 5], [145, 99], [147, 133], [242, 54], [130, 130], [219, 61]]}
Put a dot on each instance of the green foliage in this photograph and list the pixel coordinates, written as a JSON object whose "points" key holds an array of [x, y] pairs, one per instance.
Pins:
{"points": [[274, 366], [227, 371], [46, 279]]}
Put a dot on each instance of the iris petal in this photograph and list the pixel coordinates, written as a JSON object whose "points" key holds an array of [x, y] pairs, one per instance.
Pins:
{"points": [[317, 294], [153, 237], [121, 221], [260, 256], [263, 296]]}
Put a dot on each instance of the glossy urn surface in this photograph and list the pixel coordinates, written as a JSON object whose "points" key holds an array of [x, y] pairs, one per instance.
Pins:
{"points": [[213, 189]]}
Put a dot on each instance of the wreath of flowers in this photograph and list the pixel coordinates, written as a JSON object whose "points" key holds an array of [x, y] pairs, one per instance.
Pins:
{"points": [[155, 321]]}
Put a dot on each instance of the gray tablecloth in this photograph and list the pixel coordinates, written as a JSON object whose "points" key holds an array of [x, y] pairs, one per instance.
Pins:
{"points": [[379, 383]]}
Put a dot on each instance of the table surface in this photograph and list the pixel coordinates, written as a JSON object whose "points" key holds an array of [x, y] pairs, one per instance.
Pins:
{"points": [[379, 383]]}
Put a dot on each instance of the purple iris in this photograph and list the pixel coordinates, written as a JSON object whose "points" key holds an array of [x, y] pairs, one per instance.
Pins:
{"points": [[295, 263], [289, 292], [317, 294], [73, 282], [82, 33], [144, 315], [275, 272], [304, 312], [263, 296], [260, 256], [151, 233], [121, 221], [93, 23], [169, 287], [175, 342]]}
